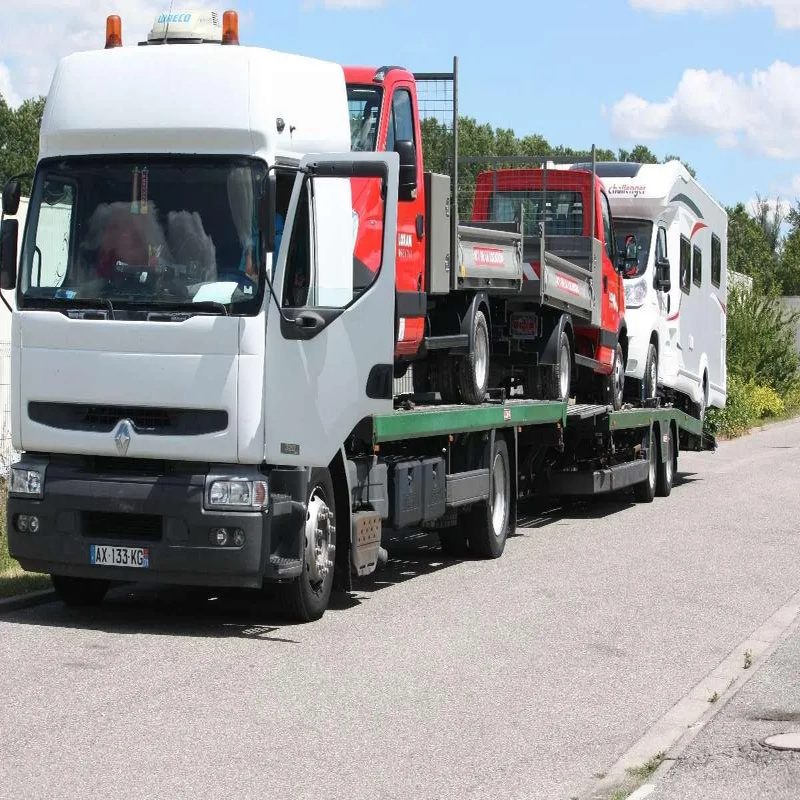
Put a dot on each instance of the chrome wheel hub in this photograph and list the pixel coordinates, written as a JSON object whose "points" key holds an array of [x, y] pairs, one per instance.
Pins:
{"points": [[564, 373], [481, 359], [320, 539]]}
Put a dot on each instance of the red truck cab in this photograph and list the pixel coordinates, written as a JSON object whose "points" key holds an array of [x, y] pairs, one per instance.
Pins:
{"points": [[561, 202], [383, 105]]}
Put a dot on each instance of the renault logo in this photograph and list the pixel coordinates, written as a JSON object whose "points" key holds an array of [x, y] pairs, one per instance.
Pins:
{"points": [[122, 438]]}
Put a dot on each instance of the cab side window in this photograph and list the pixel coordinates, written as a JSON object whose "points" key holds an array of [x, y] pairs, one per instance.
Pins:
{"points": [[401, 121], [297, 283], [608, 229], [661, 245]]}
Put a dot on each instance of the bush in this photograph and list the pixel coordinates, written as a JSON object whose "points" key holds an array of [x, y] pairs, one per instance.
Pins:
{"points": [[748, 403], [761, 341]]}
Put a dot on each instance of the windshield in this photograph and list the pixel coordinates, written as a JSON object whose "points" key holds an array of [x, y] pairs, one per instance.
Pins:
{"points": [[144, 233], [562, 211], [643, 231], [364, 103]]}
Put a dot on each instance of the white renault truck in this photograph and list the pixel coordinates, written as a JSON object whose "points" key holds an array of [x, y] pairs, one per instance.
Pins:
{"points": [[202, 392]]}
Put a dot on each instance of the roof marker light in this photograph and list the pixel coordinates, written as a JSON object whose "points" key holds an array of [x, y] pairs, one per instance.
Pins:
{"points": [[230, 28], [113, 31]]}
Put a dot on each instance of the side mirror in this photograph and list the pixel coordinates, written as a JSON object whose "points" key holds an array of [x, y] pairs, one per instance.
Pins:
{"points": [[408, 168], [663, 282], [12, 192], [8, 252]]}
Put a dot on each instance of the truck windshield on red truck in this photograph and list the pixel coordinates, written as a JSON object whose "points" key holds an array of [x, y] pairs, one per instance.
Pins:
{"points": [[472, 314]]}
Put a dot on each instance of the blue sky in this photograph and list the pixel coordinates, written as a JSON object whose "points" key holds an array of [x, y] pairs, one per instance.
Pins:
{"points": [[715, 81]]}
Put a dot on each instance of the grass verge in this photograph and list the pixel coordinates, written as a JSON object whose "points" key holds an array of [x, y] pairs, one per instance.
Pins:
{"points": [[13, 579]]}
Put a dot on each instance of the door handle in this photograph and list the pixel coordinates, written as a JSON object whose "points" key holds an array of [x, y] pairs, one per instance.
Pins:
{"points": [[309, 321]]}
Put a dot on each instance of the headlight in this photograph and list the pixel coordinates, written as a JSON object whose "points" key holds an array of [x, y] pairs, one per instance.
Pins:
{"points": [[237, 493], [635, 292], [27, 482]]}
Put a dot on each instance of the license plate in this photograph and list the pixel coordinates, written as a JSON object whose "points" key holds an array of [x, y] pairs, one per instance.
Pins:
{"points": [[102, 555]]}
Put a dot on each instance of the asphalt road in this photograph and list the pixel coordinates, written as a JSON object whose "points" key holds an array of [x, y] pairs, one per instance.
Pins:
{"points": [[520, 678]]}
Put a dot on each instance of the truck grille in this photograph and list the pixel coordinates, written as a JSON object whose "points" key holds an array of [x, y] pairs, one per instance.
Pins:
{"points": [[104, 418], [112, 525]]}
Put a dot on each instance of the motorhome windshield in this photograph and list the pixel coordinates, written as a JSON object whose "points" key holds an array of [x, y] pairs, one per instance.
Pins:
{"points": [[145, 233], [364, 103], [643, 231]]}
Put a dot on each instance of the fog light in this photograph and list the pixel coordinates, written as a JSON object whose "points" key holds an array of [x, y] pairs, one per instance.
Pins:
{"points": [[219, 537], [22, 523], [33, 524], [238, 537]]}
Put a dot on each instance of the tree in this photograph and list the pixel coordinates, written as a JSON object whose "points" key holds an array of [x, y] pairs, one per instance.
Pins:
{"points": [[19, 138], [749, 250], [639, 155]]}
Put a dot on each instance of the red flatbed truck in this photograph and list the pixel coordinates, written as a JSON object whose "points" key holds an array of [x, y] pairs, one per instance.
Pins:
{"points": [[461, 283]]}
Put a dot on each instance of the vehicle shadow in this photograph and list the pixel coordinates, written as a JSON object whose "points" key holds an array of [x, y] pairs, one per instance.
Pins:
{"points": [[253, 614]]}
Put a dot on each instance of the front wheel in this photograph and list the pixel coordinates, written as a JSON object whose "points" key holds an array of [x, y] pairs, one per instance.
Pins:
{"points": [[487, 524], [650, 380], [79, 591], [306, 598]]}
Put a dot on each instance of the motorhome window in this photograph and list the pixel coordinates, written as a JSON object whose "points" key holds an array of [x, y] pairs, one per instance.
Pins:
{"points": [[697, 266], [401, 122], [686, 265], [561, 211], [716, 261], [643, 231], [364, 103], [145, 232]]}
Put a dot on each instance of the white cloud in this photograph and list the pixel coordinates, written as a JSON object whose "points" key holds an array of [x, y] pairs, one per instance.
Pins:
{"points": [[787, 12], [759, 112], [36, 33]]}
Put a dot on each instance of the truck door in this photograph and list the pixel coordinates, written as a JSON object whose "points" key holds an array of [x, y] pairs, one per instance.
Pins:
{"points": [[330, 344], [403, 126], [613, 292]]}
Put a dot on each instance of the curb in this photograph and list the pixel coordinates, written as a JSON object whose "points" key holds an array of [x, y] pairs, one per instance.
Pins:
{"points": [[27, 600]]}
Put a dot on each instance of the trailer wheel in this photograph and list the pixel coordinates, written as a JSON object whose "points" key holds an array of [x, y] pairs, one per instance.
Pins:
{"points": [[473, 369], [306, 598], [79, 591], [646, 490], [558, 378], [487, 523], [666, 465]]}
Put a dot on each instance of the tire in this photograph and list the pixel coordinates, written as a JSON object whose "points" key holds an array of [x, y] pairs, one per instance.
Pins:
{"points": [[80, 592], [646, 490], [558, 378], [473, 370], [612, 387], [487, 523], [666, 468], [306, 598], [650, 379]]}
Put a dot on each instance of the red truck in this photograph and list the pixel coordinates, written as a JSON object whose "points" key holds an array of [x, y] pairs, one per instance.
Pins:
{"points": [[472, 311]]}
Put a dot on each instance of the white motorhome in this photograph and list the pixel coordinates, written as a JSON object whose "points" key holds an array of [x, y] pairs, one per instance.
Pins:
{"points": [[676, 295]]}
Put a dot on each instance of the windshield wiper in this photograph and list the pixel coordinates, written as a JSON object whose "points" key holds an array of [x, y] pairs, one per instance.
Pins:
{"points": [[72, 302], [205, 305]]}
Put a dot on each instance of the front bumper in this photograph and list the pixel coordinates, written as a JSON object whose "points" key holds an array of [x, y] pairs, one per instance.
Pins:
{"points": [[84, 506]]}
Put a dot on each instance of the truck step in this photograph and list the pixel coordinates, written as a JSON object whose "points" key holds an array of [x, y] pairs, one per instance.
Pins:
{"points": [[286, 567]]}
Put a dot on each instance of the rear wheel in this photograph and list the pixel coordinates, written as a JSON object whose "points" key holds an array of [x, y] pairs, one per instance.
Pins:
{"points": [[487, 523], [473, 370], [558, 378], [650, 380], [646, 490], [666, 465], [79, 591], [612, 386], [306, 598]]}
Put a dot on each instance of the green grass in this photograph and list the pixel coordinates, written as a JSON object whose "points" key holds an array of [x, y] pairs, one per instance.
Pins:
{"points": [[13, 579], [637, 776]]}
